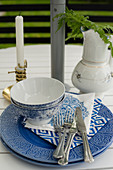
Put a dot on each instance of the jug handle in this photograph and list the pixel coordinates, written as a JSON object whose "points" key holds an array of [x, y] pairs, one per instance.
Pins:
{"points": [[111, 41], [111, 57]]}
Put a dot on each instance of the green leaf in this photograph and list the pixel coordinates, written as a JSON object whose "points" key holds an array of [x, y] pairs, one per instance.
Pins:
{"points": [[76, 21]]}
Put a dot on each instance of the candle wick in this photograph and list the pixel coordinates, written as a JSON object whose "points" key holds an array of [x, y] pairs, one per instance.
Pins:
{"points": [[20, 13]]}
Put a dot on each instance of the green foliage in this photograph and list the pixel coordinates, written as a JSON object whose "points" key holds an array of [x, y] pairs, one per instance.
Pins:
{"points": [[77, 21]]}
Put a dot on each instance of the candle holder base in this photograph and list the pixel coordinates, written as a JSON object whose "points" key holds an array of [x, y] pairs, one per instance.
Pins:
{"points": [[20, 75], [6, 93]]}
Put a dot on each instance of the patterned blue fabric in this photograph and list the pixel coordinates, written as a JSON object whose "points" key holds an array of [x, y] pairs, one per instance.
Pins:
{"points": [[97, 122]]}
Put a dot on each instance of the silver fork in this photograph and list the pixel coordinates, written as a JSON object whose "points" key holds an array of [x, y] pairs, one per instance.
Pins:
{"points": [[59, 151], [59, 129], [72, 132]]}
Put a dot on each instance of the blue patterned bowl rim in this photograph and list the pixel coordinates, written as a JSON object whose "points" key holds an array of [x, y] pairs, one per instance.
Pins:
{"points": [[37, 108]]}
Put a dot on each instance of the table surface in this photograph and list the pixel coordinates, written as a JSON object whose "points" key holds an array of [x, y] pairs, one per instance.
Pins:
{"points": [[39, 65]]}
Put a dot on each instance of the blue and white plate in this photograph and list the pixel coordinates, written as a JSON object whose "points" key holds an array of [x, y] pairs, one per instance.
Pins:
{"points": [[31, 147]]}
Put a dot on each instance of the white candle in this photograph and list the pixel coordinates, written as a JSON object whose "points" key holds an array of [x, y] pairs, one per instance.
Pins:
{"points": [[19, 41]]}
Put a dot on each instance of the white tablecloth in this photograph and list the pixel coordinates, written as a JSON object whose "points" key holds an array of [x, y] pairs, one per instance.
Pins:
{"points": [[39, 65]]}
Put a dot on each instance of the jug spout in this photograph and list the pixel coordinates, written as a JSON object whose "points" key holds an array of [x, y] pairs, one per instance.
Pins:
{"points": [[94, 48]]}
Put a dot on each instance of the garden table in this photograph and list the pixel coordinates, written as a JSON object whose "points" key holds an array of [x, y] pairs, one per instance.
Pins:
{"points": [[39, 65]]}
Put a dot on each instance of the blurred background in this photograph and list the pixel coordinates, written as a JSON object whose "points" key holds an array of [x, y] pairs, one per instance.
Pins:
{"points": [[37, 19]]}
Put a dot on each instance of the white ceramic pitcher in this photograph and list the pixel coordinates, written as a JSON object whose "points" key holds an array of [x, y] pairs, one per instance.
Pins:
{"points": [[93, 72]]}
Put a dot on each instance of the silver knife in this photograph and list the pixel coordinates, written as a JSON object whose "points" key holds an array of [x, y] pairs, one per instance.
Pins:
{"points": [[82, 129], [72, 132]]}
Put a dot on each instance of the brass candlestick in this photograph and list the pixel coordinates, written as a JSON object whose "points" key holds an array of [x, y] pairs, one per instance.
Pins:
{"points": [[20, 75]]}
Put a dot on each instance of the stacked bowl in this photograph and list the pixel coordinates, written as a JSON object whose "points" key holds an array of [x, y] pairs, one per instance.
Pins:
{"points": [[38, 98]]}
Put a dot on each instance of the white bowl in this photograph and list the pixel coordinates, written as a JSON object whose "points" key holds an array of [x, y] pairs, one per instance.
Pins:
{"points": [[38, 97], [37, 91]]}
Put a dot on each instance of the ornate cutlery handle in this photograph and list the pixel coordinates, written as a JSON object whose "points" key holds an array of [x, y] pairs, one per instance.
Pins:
{"points": [[59, 151], [87, 152], [64, 160]]}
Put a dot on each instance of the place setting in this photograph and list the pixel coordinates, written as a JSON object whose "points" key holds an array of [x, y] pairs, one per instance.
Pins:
{"points": [[47, 126]]}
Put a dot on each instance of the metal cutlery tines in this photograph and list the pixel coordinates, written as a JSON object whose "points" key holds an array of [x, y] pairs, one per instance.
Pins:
{"points": [[62, 126], [69, 126], [59, 129], [71, 134]]}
